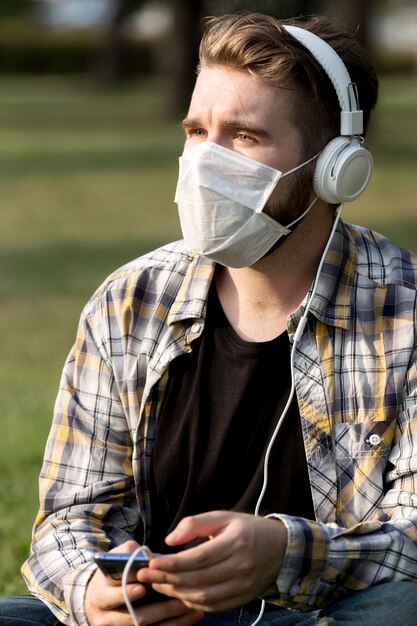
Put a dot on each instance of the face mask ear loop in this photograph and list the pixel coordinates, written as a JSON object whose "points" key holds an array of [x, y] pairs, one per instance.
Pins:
{"points": [[300, 217], [126, 571], [298, 167], [296, 339]]}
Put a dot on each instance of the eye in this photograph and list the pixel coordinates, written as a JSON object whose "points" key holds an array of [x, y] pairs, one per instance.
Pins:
{"points": [[195, 132], [245, 138]]}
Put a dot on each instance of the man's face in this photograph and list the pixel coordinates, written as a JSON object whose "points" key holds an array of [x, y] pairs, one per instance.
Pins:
{"points": [[234, 110]]}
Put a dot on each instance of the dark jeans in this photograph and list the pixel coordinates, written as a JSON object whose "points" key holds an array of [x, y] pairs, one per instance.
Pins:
{"points": [[26, 611], [390, 604]]}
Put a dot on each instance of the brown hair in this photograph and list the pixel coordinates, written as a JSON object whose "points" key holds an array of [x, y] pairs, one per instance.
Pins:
{"points": [[260, 45]]}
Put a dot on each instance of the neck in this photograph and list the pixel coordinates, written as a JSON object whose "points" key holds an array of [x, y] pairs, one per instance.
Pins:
{"points": [[258, 299]]}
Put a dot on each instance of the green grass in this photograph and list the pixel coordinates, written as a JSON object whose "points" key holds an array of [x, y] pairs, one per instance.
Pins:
{"points": [[86, 182]]}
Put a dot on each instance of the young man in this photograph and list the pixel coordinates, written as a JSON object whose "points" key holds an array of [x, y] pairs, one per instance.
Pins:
{"points": [[176, 420]]}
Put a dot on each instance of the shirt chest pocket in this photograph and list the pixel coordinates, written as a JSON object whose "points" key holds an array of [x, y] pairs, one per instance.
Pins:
{"points": [[370, 439], [361, 455]]}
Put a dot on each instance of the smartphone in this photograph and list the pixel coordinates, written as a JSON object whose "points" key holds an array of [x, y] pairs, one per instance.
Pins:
{"points": [[112, 564]]}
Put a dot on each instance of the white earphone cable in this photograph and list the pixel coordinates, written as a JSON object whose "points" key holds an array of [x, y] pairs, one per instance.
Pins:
{"points": [[296, 339], [297, 335]]}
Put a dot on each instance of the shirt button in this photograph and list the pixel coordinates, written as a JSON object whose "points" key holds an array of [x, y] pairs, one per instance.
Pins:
{"points": [[374, 439], [195, 328], [294, 590], [164, 358]]}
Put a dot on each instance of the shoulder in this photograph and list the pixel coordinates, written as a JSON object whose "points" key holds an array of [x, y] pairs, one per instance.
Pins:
{"points": [[146, 279], [380, 260]]}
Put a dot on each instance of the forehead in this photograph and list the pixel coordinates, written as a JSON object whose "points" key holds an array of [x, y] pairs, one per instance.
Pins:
{"points": [[221, 91]]}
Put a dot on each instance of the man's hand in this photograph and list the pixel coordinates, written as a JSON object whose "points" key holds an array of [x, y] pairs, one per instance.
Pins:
{"points": [[104, 604], [241, 559]]}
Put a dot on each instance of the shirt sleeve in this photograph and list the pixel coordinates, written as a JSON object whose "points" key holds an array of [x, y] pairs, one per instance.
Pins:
{"points": [[87, 494], [324, 562]]}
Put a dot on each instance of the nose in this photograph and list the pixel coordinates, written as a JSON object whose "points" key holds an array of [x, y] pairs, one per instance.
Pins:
{"points": [[220, 138]]}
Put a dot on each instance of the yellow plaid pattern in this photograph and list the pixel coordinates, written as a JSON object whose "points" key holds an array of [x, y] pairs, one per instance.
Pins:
{"points": [[356, 384]]}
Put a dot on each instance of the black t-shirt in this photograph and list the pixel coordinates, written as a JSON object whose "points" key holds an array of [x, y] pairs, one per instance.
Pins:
{"points": [[221, 407]]}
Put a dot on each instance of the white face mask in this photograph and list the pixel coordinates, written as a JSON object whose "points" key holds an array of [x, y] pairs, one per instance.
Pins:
{"points": [[221, 195]]}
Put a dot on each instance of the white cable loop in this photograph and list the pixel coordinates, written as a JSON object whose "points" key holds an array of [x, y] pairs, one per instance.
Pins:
{"points": [[126, 571]]}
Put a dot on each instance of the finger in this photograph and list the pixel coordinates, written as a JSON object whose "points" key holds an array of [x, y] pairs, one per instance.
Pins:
{"points": [[167, 613], [216, 598], [118, 617], [128, 547], [208, 574], [112, 600], [202, 525], [217, 588], [185, 620], [188, 619], [205, 554], [110, 595], [210, 553]]}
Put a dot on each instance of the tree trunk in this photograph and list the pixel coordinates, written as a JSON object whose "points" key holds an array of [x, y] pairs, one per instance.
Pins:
{"points": [[112, 63], [183, 54]]}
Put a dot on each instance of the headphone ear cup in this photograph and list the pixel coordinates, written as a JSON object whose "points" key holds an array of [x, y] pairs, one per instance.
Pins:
{"points": [[343, 170]]}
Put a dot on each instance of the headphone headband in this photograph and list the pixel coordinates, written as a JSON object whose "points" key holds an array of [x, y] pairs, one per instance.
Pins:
{"points": [[351, 117]]}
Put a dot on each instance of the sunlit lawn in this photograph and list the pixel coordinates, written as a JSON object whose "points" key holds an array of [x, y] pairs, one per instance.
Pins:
{"points": [[86, 183]]}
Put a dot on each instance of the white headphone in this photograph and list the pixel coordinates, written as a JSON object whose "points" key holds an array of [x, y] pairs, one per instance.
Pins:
{"points": [[344, 166]]}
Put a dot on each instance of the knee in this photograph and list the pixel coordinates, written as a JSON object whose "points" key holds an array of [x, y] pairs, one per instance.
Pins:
{"points": [[382, 605]]}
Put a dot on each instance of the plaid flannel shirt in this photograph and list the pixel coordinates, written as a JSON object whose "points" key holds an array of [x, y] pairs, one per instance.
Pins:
{"points": [[356, 384]]}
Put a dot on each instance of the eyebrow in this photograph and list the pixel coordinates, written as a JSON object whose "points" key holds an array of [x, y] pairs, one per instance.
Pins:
{"points": [[190, 123]]}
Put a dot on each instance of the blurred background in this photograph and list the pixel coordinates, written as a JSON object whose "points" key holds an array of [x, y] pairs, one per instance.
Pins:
{"points": [[91, 95]]}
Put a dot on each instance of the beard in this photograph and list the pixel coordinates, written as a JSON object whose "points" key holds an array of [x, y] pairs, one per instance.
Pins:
{"points": [[292, 203], [293, 198]]}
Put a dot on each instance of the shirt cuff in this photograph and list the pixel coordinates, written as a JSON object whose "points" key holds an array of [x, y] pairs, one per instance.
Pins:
{"points": [[299, 584], [75, 587]]}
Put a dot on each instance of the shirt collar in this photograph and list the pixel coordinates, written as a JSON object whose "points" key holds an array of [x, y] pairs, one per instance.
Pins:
{"points": [[332, 301], [191, 300]]}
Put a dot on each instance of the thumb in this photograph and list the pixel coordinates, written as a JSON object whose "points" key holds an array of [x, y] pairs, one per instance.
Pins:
{"points": [[126, 548], [194, 526]]}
